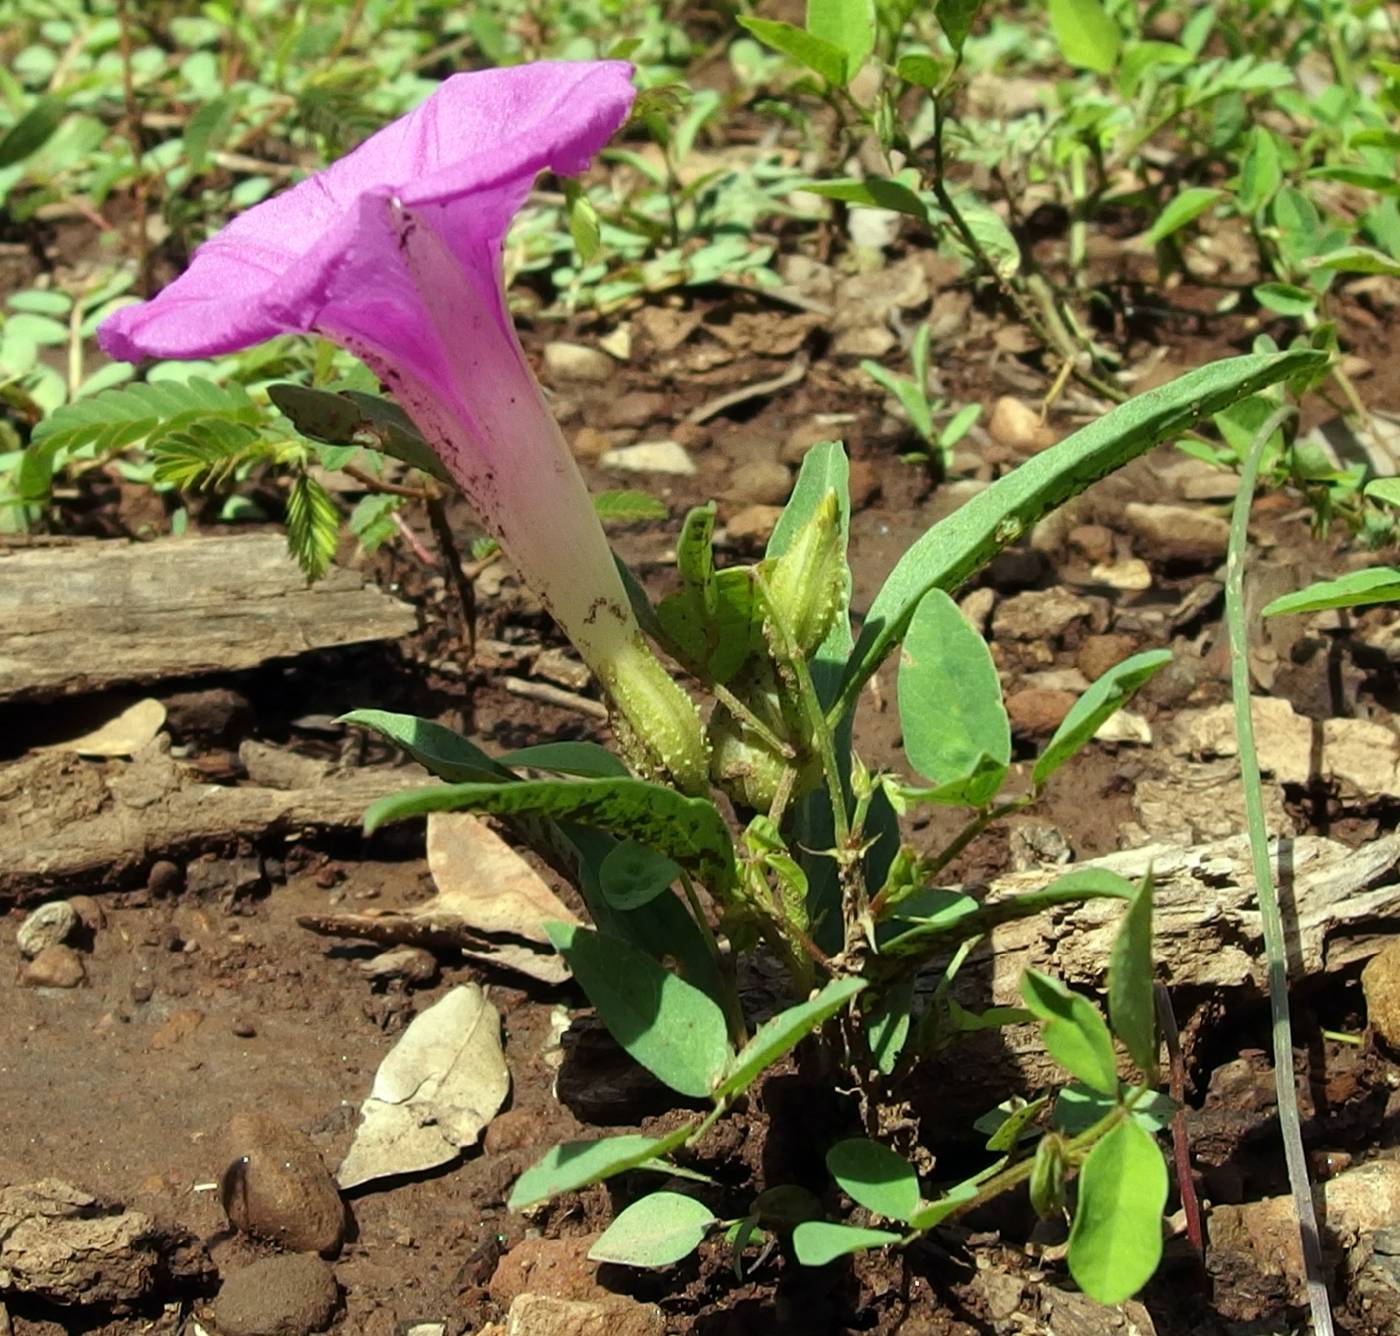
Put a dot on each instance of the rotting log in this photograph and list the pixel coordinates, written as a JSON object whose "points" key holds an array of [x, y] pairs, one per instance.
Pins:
{"points": [[68, 824], [101, 614]]}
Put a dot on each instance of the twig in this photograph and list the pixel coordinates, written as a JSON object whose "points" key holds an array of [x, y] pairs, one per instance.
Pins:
{"points": [[380, 485], [551, 695], [411, 539], [1269, 913], [758, 390], [1181, 1141]]}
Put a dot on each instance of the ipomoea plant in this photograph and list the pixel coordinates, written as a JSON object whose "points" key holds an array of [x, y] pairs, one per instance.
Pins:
{"points": [[394, 253]]}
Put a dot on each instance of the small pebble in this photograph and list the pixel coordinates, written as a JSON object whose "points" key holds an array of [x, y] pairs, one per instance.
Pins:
{"points": [[164, 878], [277, 1188], [763, 482], [278, 1296], [413, 964], [669, 457], [753, 525], [1380, 981], [244, 1028], [1038, 711], [142, 990], [55, 967], [90, 913], [46, 926], [575, 361], [1019, 427]]}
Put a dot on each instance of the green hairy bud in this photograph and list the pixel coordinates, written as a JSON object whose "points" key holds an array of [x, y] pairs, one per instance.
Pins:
{"points": [[807, 583]]}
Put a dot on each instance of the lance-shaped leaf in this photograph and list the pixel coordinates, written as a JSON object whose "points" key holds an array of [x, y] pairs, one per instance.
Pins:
{"points": [[576, 1164], [654, 1232]]}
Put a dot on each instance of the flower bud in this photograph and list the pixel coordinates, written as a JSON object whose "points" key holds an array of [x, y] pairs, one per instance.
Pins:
{"points": [[807, 583]]}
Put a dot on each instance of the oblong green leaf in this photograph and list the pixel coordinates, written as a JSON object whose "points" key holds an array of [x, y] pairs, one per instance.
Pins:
{"points": [[1074, 1032], [1104, 698], [820, 56], [1376, 584], [576, 1164], [784, 1032], [675, 1031], [817, 1242], [875, 1177], [873, 192], [1182, 209], [952, 550], [437, 749], [1087, 37], [632, 875], [846, 24], [33, 130], [1115, 1242], [654, 1232], [1131, 993], [586, 759], [689, 830], [950, 705], [955, 18], [1356, 260]]}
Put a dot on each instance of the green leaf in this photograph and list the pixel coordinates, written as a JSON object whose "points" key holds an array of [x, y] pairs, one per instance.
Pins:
{"points": [[781, 1034], [823, 58], [1261, 170], [576, 1164], [689, 830], [1087, 37], [32, 131], [654, 1232], [1104, 698], [1384, 490], [439, 750], [997, 241], [875, 1177], [1356, 260], [1182, 209], [887, 1024], [1375, 584], [920, 70], [313, 526], [1077, 1108], [950, 705], [935, 1212], [848, 25], [205, 454], [1115, 1242], [956, 547], [955, 17], [570, 758], [1007, 1133], [817, 1242], [115, 419], [352, 417], [667, 1025], [873, 192], [1285, 299], [584, 225], [1131, 994], [627, 507], [1074, 1032], [633, 875], [209, 126]]}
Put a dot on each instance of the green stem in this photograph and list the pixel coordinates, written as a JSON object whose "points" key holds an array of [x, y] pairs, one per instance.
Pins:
{"points": [[734, 1012], [1269, 912]]}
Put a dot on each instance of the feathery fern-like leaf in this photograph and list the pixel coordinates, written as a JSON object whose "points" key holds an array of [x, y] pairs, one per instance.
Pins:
{"points": [[313, 526]]}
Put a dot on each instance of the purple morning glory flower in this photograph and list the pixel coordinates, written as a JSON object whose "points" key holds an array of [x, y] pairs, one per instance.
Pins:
{"points": [[394, 253]]}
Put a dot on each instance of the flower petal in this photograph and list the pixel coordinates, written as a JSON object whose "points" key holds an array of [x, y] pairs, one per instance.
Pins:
{"points": [[480, 138]]}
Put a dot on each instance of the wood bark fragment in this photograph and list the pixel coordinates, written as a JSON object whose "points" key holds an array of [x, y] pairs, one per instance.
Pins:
{"points": [[72, 824], [96, 615]]}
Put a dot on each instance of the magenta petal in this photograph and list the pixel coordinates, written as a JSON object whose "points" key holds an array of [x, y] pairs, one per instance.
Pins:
{"points": [[482, 137]]}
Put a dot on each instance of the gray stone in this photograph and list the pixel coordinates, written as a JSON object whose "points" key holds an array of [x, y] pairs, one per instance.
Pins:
{"points": [[48, 925], [278, 1296], [651, 457], [1040, 614], [541, 1315], [1177, 533], [575, 361]]}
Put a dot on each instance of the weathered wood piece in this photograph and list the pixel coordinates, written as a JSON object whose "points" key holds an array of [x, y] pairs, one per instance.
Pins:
{"points": [[72, 824], [96, 615]]}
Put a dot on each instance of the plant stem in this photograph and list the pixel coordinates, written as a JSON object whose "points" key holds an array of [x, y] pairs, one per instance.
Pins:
{"points": [[1181, 1145], [733, 1011], [131, 123], [456, 576], [1272, 919]]}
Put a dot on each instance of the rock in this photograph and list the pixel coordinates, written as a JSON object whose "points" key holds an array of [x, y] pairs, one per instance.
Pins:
{"points": [[753, 525], [1038, 711], [46, 926], [55, 967], [574, 361], [806, 434], [590, 444], [557, 1267], [1130, 575], [1177, 533], [90, 913], [1092, 541], [637, 408], [215, 716], [977, 608], [124, 734], [1019, 427], [541, 1315], [1125, 726], [244, 1028], [762, 482], [1380, 981], [515, 1129], [164, 879], [1034, 844], [278, 1296], [669, 457], [1100, 653], [62, 1245], [1057, 679], [278, 1189], [413, 964], [864, 341], [1361, 1200], [213, 878], [1041, 614], [176, 1028]]}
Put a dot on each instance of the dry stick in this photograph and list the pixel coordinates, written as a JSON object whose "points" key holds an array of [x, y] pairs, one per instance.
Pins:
{"points": [[1181, 1143], [131, 119], [1270, 916]]}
